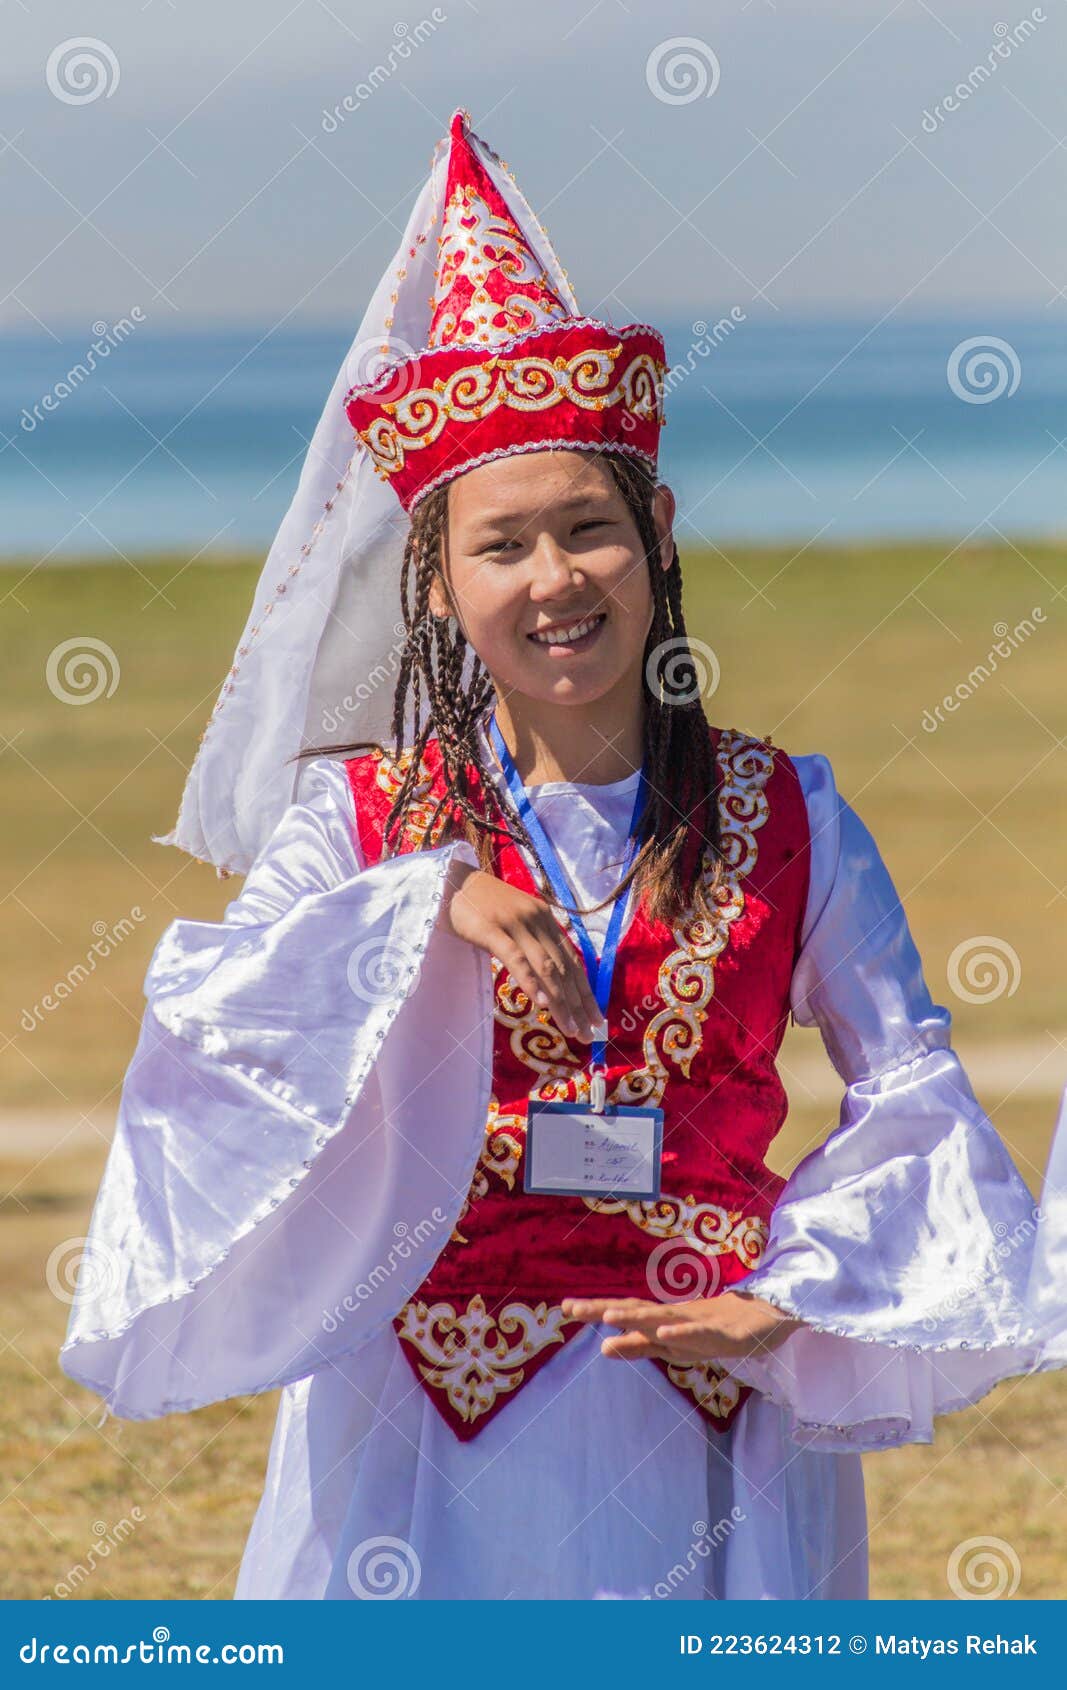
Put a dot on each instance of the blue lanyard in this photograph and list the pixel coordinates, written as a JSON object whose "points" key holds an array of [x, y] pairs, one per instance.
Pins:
{"points": [[598, 969]]}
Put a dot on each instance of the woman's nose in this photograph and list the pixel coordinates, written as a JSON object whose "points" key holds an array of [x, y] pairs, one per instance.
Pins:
{"points": [[553, 572]]}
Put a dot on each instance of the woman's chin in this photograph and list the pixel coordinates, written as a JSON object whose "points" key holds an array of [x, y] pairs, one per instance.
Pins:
{"points": [[570, 687]]}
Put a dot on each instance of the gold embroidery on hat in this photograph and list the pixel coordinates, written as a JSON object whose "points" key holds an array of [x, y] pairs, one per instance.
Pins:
{"points": [[586, 380]]}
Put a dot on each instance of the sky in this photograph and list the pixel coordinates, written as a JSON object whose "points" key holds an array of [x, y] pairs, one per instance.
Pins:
{"points": [[180, 156]]}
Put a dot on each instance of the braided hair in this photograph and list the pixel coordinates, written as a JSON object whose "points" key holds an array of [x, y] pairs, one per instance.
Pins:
{"points": [[680, 766]]}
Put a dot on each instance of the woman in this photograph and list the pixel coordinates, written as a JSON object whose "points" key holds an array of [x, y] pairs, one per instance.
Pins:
{"points": [[478, 1073]]}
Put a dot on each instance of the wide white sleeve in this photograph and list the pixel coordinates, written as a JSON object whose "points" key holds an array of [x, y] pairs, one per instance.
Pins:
{"points": [[298, 1127], [904, 1241], [1047, 1294]]}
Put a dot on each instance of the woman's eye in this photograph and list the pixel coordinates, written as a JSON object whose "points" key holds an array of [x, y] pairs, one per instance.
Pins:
{"points": [[593, 522]]}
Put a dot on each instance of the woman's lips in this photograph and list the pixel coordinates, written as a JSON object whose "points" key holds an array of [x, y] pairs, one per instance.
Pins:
{"points": [[562, 638]]}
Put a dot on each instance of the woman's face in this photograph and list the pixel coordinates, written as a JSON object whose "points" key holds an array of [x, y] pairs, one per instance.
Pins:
{"points": [[548, 575]]}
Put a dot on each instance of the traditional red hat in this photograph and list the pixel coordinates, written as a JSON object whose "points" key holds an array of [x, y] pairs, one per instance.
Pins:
{"points": [[508, 364], [507, 367]]}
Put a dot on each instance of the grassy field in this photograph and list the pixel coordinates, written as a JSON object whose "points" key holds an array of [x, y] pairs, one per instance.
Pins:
{"points": [[846, 652]]}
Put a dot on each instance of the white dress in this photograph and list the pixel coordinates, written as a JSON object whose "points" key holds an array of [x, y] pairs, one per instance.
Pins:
{"points": [[298, 1129], [1048, 1279]]}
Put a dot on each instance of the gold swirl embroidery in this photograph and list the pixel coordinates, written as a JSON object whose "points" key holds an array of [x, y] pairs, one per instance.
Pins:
{"points": [[501, 1155], [422, 827], [536, 1041], [686, 984], [587, 380], [709, 1228], [687, 976], [474, 1358], [539, 1045], [477, 244], [716, 1392]]}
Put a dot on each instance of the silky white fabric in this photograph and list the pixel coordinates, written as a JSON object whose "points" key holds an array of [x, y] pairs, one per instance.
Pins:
{"points": [[289, 1161], [1047, 1292], [597, 1479], [904, 1242]]}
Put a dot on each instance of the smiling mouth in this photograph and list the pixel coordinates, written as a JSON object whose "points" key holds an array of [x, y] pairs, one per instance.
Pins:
{"points": [[570, 636]]}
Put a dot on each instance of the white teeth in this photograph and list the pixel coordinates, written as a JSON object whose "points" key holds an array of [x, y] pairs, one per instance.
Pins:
{"points": [[565, 636]]}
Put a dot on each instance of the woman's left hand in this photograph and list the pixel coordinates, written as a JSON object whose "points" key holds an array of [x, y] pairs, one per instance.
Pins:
{"points": [[709, 1329]]}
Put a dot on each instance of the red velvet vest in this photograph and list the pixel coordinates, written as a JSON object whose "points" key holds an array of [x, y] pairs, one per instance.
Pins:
{"points": [[696, 1016]]}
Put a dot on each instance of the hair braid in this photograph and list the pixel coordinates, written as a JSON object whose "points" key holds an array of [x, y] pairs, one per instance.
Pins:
{"points": [[680, 765]]}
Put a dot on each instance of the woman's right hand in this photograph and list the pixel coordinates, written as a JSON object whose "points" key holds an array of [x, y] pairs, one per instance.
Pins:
{"points": [[522, 931]]}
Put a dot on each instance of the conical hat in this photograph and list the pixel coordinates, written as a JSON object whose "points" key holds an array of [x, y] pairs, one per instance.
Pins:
{"points": [[507, 366], [476, 285]]}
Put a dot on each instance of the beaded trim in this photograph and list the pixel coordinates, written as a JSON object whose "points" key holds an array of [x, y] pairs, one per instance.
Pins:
{"points": [[747, 1289], [227, 687]]}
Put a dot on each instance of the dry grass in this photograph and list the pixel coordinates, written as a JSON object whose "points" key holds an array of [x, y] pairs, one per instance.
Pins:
{"points": [[839, 652]]}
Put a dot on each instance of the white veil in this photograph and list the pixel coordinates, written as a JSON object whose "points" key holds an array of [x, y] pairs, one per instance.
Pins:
{"points": [[318, 657]]}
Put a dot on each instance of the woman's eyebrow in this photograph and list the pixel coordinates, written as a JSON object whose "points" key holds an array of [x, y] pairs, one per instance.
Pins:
{"points": [[494, 520]]}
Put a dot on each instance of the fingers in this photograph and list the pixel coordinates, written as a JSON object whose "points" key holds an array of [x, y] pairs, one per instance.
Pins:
{"points": [[634, 1314], [690, 1348], [523, 932], [557, 991], [562, 987], [595, 1308], [649, 1330], [580, 995], [515, 961], [632, 1346]]}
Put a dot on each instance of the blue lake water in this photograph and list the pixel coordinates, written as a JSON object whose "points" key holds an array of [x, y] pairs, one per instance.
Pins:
{"points": [[782, 430]]}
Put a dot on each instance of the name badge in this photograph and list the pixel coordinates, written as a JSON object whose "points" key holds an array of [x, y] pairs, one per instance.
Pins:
{"points": [[573, 1152]]}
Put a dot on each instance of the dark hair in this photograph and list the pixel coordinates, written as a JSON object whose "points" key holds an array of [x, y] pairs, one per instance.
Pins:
{"points": [[680, 766]]}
